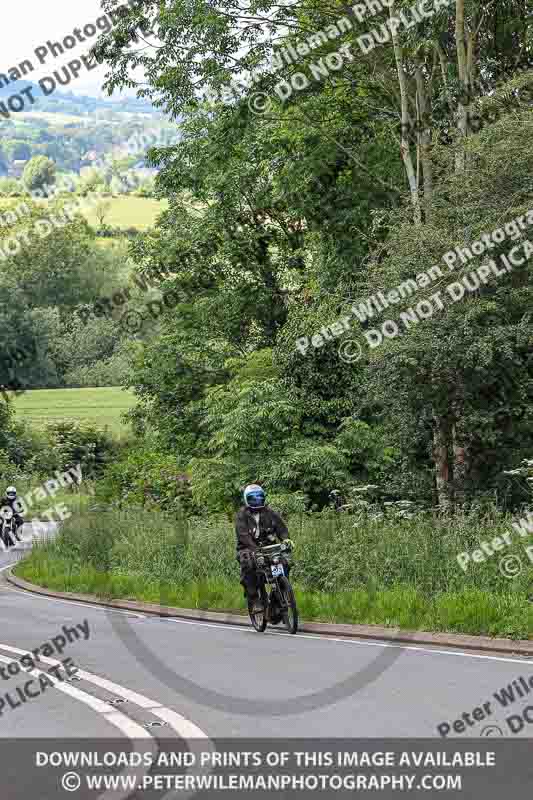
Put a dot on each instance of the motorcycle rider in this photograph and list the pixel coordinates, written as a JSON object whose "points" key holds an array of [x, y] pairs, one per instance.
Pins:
{"points": [[256, 525], [10, 501]]}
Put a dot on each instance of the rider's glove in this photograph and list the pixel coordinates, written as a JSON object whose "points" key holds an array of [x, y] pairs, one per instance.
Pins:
{"points": [[288, 544]]}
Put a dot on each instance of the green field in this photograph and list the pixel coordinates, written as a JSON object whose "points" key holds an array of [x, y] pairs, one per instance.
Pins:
{"points": [[102, 406], [124, 211], [54, 118], [129, 212]]}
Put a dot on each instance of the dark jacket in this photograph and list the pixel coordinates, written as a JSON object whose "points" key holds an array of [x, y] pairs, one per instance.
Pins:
{"points": [[271, 528], [5, 501]]}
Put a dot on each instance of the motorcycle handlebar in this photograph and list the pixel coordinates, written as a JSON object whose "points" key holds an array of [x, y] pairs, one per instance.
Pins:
{"points": [[271, 549]]}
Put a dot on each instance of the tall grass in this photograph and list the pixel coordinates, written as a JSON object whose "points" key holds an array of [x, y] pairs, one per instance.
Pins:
{"points": [[76, 502], [402, 573]]}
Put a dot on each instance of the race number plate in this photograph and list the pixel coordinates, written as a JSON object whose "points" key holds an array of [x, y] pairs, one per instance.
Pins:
{"points": [[277, 570]]}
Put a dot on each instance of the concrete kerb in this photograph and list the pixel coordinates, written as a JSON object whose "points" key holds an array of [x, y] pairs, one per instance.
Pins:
{"points": [[372, 632]]}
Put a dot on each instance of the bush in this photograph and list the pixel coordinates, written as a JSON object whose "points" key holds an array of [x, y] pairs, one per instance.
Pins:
{"points": [[146, 189], [105, 372], [289, 504], [82, 443], [147, 479], [32, 451], [136, 541], [9, 471], [10, 187]]}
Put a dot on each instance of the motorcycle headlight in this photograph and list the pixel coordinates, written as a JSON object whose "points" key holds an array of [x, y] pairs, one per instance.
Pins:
{"points": [[260, 561]]}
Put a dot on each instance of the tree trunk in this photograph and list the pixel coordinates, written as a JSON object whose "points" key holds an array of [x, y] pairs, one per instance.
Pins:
{"points": [[459, 465], [424, 141], [462, 108], [459, 446], [441, 457], [405, 149]]}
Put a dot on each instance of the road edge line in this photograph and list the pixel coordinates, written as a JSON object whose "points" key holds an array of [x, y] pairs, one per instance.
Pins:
{"points": [[519, 647]]}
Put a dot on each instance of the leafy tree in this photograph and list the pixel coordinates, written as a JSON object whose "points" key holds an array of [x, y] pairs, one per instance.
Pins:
{"points": [[39, 173], [42, 286], [101, 211], [82, 443], [10, 187], [277, 223], [461, 381], [93, 180]]}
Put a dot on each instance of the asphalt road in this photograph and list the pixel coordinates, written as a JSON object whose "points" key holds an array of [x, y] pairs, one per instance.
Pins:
{"points": [[212, 680], [225, 679]]}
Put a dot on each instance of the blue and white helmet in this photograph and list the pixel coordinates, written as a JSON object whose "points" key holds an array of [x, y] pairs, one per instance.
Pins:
{"points": [[254, 496]]}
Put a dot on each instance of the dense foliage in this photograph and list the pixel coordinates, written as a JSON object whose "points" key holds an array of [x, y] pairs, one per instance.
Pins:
{"points": [[283, 218], [359, 180]]}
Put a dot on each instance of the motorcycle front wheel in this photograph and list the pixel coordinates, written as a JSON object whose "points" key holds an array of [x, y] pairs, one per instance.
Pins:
{"points": [[289, 611], [6, 538], [259, 619]]}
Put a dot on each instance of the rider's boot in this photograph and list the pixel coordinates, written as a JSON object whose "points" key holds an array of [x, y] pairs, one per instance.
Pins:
{"points": [[255, 604]]}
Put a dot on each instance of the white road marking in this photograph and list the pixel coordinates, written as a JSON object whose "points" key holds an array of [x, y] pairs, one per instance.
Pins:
{"points": [[128, 726], [131, 729], [29, 595], [346, 640], [183, 727], [324, 637]]}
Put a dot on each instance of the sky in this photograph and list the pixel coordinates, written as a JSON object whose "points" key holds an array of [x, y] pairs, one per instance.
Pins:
{"points": [[29, 24]]}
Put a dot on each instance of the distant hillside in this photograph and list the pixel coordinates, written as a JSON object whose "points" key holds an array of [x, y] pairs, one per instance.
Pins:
{"points": [[71, 103], [16, 86]]}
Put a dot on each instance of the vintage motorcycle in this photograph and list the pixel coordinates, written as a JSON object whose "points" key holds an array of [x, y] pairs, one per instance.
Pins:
{"points": [[275, 591], [8, 529]]}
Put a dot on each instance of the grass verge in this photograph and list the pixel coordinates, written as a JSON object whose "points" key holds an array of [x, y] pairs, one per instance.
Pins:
{"points": [[471, 611]]}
